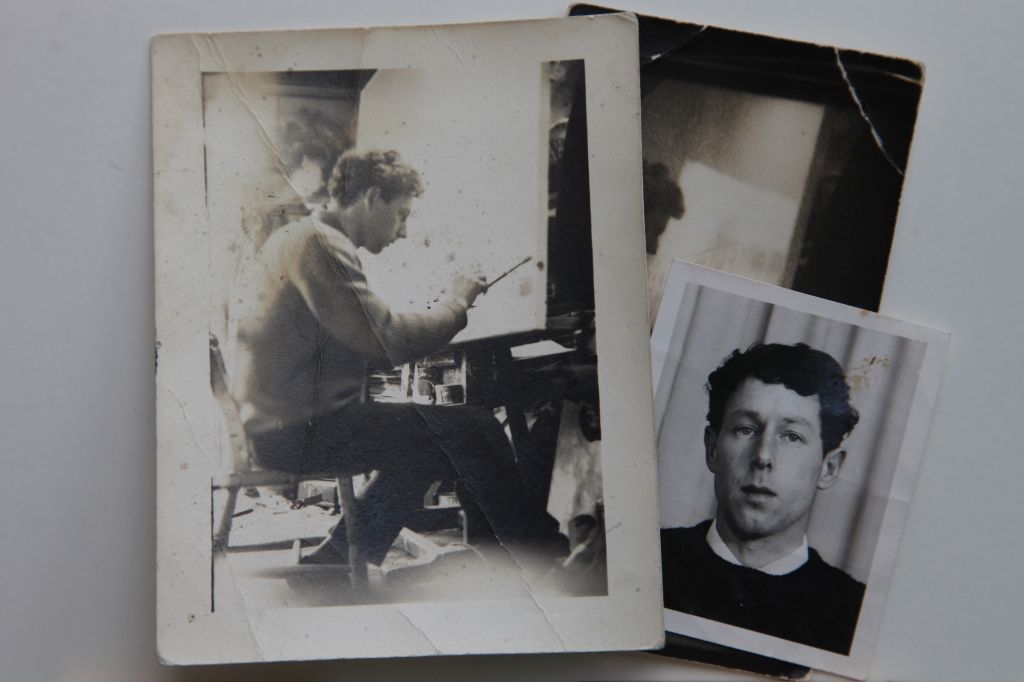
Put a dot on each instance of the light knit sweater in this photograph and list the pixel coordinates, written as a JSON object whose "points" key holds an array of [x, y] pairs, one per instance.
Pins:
{"points": [[308, 324]]}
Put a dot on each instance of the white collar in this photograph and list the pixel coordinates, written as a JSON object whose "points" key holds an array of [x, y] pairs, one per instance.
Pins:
{"points": [[334, 238], [781, 566]]}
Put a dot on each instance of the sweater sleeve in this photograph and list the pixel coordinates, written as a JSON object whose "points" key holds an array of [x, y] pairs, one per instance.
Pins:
{"points": [[331, 281]]}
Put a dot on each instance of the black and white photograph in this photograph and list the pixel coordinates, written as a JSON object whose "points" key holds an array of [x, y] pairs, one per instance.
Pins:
{"points": [[774, 159], [789, 433], [406, 425], [399, 378]]}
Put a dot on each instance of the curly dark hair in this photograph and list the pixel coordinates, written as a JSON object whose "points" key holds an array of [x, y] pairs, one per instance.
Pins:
{"points": [[661, 192], [800, 368], [663, 199], [354, 173]]}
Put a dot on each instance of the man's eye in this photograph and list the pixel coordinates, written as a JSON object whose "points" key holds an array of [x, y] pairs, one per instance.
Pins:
{"points": [[743, 430], [793, 437]]}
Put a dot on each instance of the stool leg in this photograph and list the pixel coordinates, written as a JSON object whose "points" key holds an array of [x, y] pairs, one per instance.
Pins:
{"points": [[221, 534], [223, 530], [356, 561]]}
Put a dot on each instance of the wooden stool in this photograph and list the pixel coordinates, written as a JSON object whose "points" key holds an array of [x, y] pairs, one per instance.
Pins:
{"points": [[242, 474]]}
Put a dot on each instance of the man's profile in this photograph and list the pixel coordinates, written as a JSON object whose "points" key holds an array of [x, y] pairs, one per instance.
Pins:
{"points": [[308, 324], [777, 417]]}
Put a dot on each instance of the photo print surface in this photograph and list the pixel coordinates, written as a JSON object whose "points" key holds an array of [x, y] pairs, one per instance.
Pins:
{"points": [[404, 418], [789, 431], [318, 122], [774, 159]]}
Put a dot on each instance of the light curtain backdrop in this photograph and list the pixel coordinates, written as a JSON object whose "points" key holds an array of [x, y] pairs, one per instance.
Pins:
{"points": [[882, 370]]}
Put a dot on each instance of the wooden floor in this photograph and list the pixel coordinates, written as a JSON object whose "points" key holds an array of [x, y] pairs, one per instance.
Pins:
{"points": [[261, 565]]}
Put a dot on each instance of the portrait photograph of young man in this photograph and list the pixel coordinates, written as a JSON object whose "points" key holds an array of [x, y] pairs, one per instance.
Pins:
{"points": [[776, 420], [785, 458]]}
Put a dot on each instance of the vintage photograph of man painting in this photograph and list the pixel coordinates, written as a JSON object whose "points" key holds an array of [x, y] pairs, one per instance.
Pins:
{"points": [[307, 325], [786, 453], [403, 318], [318, 345]]}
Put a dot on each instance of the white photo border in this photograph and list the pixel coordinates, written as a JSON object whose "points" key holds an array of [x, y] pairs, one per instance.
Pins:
{"points": [[629, 617]]}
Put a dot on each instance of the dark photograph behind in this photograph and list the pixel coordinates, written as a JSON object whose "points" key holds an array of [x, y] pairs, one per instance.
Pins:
{"points": [[774, 159]]}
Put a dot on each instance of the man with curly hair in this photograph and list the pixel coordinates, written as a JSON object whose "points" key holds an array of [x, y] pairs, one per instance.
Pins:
{"points": [[777, 417], [307, 327]]}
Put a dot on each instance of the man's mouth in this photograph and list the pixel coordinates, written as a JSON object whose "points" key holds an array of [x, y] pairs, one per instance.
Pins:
{"points": [[758, 490]]}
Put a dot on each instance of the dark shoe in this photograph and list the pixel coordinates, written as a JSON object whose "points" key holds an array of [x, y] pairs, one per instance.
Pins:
{"points": [[326, 554]]}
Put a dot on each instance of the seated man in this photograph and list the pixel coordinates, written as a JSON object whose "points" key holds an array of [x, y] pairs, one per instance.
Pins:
{"points": [[776, 418], [308, 324]]}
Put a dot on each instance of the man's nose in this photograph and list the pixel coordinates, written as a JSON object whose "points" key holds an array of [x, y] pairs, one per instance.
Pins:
{"points": [[401, 231], [763, 455]]}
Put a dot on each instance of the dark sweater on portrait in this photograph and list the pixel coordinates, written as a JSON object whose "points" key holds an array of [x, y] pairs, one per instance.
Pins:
{"points": [[817, 604]]}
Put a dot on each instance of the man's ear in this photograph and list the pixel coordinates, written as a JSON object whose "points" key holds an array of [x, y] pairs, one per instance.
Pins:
{"points": [[372, 196], [830, 467], [710, 449]]}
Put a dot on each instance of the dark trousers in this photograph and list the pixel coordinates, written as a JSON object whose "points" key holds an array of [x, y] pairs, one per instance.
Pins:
{"points": [[411, 446]]}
